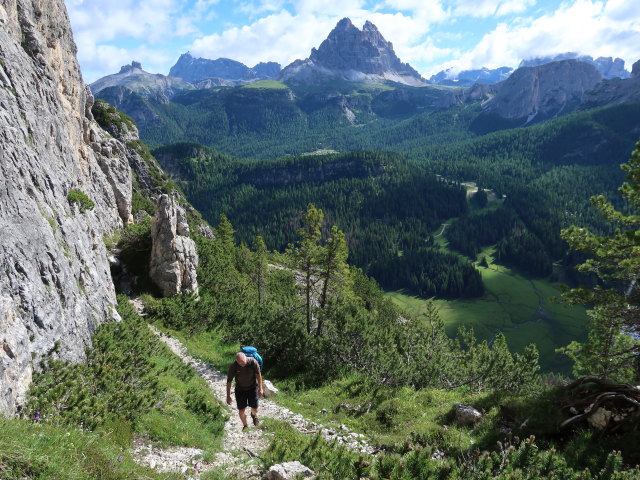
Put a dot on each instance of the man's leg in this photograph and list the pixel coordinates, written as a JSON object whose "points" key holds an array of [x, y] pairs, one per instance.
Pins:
{"points": [[241, 403], [253, 403], [243, 416]]}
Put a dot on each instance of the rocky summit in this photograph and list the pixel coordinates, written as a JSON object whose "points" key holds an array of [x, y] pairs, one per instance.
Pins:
{"points": [[353, 55]]}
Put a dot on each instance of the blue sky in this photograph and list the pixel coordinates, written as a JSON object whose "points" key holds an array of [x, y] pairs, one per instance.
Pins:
{"points": [[429, 34]]}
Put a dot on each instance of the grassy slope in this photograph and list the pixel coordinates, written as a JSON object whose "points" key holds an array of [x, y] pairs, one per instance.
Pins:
{"points": [[46, 451]]}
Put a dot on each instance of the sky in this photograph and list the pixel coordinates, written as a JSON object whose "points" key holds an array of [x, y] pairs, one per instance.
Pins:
{"points": [[431, 35]]}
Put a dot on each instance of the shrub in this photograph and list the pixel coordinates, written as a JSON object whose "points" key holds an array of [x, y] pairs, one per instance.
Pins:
{"points": [[117, 382], [81, 199]]}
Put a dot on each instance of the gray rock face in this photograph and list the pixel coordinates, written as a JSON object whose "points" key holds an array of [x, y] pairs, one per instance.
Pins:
{"points": [[288, 471], [173, 254], [126, 134], [55, 287], [607, 66], [354, 55], [533, 94], [222, 71], [144, 83]]}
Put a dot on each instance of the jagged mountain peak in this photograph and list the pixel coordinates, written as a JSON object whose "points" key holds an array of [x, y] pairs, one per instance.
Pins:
{"points": [[134, 67], [354, 55], [369, 27]]}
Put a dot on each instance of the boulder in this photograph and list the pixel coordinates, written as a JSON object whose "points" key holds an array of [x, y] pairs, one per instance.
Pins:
{"points": [[289, 471], [466, 414], [600, 418], [269, 388], [173, 254]]}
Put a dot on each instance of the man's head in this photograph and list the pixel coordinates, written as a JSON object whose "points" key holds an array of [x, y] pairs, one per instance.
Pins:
{"points": [[241, 359]]}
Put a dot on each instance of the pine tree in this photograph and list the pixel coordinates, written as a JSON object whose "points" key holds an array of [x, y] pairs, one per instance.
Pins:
{"points": [[260, 267], [615, 260], [306, 253], [333, 266]]}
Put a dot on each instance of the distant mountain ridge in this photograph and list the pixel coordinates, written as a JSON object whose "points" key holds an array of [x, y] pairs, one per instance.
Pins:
{"points": [[353, 55], [144, 83], [607, 66], [194, 70], [189, 73]]}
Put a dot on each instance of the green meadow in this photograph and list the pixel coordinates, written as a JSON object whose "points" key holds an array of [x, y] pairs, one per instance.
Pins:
{"points": [[267, 84], [520, 307]]}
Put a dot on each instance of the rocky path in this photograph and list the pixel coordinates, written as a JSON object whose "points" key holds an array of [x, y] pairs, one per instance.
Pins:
{"points": [[444, 227], [241, 450]]}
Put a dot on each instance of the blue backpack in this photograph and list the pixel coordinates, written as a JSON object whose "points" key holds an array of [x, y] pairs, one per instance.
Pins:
{"points": [[252, 352]]}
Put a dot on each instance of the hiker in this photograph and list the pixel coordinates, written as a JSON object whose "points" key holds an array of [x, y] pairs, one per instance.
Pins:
{"points": [[246, 372]]}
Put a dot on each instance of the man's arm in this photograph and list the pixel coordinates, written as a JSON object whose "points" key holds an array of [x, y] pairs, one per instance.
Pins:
{"points": [[228, 393], [259, 377]]}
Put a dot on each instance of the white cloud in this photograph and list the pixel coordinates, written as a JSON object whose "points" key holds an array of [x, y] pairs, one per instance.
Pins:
{"points": [[426, 11], [583, 26], [487, 8], [112, 33]]}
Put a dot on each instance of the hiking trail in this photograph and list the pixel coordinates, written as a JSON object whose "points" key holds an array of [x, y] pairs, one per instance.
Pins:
{"points": [[240, 455]]}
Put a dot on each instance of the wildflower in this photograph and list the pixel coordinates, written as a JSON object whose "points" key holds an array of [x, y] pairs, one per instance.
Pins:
{"points": [[36, 417], [120, 458]]}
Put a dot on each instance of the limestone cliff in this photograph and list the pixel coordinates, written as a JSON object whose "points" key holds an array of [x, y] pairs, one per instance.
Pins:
{"points": [[55, 284], [535, 94]]}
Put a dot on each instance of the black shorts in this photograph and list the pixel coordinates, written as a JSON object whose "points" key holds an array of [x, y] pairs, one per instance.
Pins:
{"points": [[244, 397]]}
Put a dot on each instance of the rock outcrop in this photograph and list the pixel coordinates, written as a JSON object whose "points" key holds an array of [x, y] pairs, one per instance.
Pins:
{"points": [[353, 55], [55, 287], [222, 71], [173, 254], [144, 83]]}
